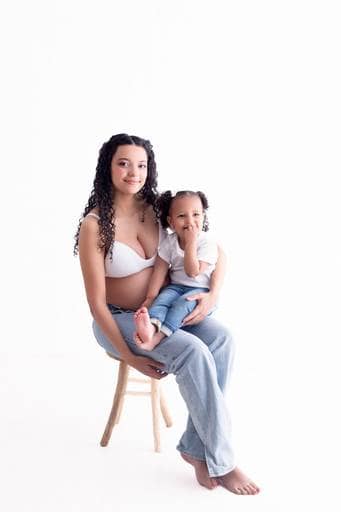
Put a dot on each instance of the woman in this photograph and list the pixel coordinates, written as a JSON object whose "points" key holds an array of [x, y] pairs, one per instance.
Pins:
{"points": [[117, 239]]}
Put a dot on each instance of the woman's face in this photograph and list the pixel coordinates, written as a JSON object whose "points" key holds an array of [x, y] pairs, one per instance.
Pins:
{"points": [[129, 169]]}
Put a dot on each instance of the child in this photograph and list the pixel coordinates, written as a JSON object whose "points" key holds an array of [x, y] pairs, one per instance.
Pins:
{"points": [[190, 257]]}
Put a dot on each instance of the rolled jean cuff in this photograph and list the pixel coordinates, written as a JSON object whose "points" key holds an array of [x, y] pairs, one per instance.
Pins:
{"points": [[157, 323], [160, 327], [166, 331]]}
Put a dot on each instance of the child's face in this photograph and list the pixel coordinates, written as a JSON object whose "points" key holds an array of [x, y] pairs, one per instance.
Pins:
{"points": [[186, 211]]}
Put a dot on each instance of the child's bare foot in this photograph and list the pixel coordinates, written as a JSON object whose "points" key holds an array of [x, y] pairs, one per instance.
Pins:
{"points": [[237, 482], [145, 330], [201, 472]]}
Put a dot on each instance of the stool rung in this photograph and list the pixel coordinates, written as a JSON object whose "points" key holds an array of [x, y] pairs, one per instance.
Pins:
{"points": [[146, 393]]}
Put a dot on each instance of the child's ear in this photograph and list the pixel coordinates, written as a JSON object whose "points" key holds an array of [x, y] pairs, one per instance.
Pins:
{"points": [[170, 222]]}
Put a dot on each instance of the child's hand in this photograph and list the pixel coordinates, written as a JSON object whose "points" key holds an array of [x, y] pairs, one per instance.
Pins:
{"points": [[191, 235]]}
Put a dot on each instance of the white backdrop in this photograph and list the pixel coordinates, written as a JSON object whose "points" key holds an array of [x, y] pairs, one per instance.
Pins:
{"points": [[240, 99]]}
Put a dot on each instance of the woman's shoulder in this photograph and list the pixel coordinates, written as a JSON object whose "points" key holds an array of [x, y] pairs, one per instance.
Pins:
{"points": [[93, 214], [91, 219], [89, 226], [150, 216]]}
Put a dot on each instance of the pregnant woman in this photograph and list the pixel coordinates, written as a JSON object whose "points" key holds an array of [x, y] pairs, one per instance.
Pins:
{"points": [[117, 239]]}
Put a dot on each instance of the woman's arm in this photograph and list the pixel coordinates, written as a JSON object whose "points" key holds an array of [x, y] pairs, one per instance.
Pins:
{"points": [[157, 280], [209, 299], [92, 264], [218, 274]]}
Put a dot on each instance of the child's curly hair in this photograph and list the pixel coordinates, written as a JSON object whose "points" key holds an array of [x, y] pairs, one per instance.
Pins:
{"points": [[164, 202]]}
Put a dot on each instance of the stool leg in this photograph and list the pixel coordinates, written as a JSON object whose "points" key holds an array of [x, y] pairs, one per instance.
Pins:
{"points": [[120, 405], [119, 411], [155, 396], [164, 409], [125, 380], [121, 386]]}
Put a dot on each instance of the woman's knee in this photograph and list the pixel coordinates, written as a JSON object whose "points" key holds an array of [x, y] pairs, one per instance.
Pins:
{"points": [[193, 353], [97, 332], [102, 340], [224, 345], [213, 334], [226, 335]]}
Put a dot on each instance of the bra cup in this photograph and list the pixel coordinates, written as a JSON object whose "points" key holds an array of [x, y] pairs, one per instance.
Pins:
{"points": [[125, 261]]}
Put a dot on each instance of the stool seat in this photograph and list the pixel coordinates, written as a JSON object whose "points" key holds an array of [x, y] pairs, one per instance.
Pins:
{"points": [[157, 401]]}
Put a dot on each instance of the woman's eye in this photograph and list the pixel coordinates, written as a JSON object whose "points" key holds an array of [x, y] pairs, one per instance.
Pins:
{"points": [[142, 166], [123, 164]]}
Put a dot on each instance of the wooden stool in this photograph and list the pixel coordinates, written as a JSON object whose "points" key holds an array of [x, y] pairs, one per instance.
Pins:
{"points": [[157, 398]]}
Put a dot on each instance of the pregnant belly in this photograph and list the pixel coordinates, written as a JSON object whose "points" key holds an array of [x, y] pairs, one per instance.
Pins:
{"points": [[128, 292]]}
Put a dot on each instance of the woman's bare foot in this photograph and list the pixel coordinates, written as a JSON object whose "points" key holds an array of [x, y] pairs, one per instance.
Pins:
{"points": [[145, 330], [201, 472], [237, 482]]}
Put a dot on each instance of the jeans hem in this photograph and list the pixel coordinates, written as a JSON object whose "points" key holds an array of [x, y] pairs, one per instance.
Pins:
{"points": [[164, 329], [214, 472], [219, 471], [156, 322], [190, 454]]}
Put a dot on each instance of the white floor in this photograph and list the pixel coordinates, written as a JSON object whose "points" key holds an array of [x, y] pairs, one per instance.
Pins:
{"points": [[53, 413]]}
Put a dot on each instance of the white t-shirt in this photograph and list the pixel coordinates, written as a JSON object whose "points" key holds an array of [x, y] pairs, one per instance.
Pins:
{"points": [[171, 252]]}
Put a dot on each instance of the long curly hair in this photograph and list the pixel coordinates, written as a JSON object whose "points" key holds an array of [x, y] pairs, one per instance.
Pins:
{"points": [[103, 192], [164, 202]]}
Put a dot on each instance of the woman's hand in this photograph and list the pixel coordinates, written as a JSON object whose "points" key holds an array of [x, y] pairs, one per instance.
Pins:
{"points": [[206, 302], [147, 366], [147, 303]]}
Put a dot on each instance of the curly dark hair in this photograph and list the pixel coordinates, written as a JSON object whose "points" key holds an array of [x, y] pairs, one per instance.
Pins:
{"points": [[103, 192], [164, 202]]}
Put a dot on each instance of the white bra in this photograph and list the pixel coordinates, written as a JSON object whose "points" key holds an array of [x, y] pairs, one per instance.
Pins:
{"points": [[125, 260]]}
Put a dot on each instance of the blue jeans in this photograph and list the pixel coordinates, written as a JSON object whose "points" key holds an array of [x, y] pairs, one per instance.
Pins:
{"points": [[171, 307], [200, 356]]}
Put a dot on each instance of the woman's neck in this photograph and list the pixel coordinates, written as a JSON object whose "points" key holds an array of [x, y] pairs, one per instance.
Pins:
{"points": [[127, 206]]}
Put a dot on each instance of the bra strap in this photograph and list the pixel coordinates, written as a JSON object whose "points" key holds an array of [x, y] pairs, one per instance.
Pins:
{"points": [[93, 215]]}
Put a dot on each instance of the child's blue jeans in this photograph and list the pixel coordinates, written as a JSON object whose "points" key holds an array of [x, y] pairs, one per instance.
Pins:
{"points": [[171, 307]]}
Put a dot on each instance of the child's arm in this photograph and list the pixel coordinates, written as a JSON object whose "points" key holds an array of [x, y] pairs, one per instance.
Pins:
{"points": [[156, 281], [191, 262], [193, 266]]}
